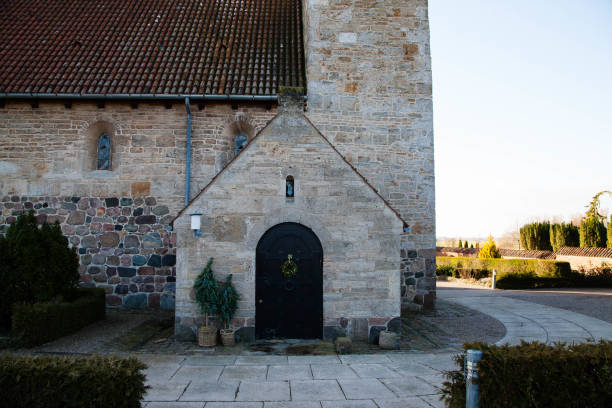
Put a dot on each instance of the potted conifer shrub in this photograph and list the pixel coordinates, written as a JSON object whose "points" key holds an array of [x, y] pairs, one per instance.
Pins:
{"points": [[228, 303], [206, 291]]}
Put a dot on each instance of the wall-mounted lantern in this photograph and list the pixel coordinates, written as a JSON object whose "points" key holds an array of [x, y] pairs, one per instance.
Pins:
{"points": [[195, 224]]}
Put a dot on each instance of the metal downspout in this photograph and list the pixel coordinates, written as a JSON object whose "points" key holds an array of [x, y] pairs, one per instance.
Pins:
{"points": [[188, 159]]}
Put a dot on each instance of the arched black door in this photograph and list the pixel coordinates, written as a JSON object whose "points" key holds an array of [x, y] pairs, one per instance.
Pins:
{"points": [[289, 307]]}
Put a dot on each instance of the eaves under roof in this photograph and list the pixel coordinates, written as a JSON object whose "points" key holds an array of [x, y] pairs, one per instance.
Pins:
{"points": [[214, 49]]}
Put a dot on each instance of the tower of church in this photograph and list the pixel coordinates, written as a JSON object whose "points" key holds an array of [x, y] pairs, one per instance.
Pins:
{"points": [[368, 70]]}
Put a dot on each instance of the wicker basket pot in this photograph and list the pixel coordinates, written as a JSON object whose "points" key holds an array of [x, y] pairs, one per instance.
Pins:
{"points": [[228, 337], [388, 340], [207, 336]]}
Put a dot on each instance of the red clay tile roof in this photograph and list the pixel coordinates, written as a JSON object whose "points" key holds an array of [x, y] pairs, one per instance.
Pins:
{"points": [[102, 47], [528, 254], [592, 252]]}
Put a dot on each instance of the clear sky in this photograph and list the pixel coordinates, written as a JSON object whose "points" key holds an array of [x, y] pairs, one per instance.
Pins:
{"points": [[522, 110]]}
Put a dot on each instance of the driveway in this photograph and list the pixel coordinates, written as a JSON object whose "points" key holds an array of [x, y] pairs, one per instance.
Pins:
{"points": [[567, 315]]}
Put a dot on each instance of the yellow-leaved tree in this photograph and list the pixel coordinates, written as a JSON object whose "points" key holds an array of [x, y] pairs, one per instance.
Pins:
{"points": [[489, 249]]}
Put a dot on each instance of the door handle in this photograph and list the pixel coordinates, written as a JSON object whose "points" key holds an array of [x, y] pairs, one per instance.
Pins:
{"points": [[260, 301]]}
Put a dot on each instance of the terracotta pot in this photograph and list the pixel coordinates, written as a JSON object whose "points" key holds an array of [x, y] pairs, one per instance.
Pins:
{"points": [[228, 337], [207, 336]]}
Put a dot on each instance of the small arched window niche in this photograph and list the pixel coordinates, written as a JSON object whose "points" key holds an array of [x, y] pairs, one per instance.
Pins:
{"points": [[100, 159], [289, 187], [104, 152]]}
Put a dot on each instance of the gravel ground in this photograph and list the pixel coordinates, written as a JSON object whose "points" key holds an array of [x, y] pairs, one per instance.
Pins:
{"points": [[442, 329], [445, 328], [463, 324], [97, 337], [596, 303]]}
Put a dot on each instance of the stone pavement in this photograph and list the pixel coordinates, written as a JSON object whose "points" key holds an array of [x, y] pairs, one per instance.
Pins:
{"points": [[527, 320], [393, 380]]}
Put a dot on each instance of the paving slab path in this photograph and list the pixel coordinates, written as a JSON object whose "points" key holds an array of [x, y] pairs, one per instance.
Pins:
{"points": [[391, 380], [245, 381]]}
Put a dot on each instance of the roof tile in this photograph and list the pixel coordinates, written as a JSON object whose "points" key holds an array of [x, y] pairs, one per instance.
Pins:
{"points": [[592, 252], [248, 47]]}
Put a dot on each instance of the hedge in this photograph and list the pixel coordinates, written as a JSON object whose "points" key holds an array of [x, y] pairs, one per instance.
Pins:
{"points": [[38, 323], [536, 375], [54, 382], [575, 280], [524, 273], [464, 267]]}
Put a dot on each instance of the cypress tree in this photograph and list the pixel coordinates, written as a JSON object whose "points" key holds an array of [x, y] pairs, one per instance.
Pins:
{"points": [[460, 244], [592, 233], [489, 250], [610, 233], [536, 236], [592, 228], [564, 235]]}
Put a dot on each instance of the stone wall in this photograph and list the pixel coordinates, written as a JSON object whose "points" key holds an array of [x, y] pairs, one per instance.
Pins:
{"points": [[359, 233], [124, 244], [369, 91], [118, 219], [584, 263]]}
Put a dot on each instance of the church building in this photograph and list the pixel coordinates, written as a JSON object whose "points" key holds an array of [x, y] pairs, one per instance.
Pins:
{"points": [[161, 134]]}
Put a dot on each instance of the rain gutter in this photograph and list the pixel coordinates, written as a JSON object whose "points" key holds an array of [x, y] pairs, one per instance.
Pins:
{"points": [[165, 97]]}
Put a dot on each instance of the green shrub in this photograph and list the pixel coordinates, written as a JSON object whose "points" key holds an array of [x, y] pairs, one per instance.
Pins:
{"points": [[592, 233], [206, 290], [564, 235], [536, 375], [536, 236], [445, 270], [36, 264], [60, 382], [39, 323], [228, 301]]}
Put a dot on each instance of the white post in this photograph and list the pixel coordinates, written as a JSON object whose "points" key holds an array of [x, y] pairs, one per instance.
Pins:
{"points": [[494, 280]]}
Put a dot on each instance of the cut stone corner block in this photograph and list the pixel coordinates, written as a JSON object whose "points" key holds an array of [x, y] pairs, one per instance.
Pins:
{"points": [[361, 329]]}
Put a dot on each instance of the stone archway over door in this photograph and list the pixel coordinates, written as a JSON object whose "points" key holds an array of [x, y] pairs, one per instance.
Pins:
{"points": [[289, 307]]}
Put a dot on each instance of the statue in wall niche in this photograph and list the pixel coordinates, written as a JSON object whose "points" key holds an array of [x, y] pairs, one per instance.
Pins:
{"points": [[241, 141], [289, 185], [104, 152]]}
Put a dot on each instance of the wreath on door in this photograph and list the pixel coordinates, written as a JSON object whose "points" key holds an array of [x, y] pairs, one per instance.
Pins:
{"points": [[289, 268]]}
